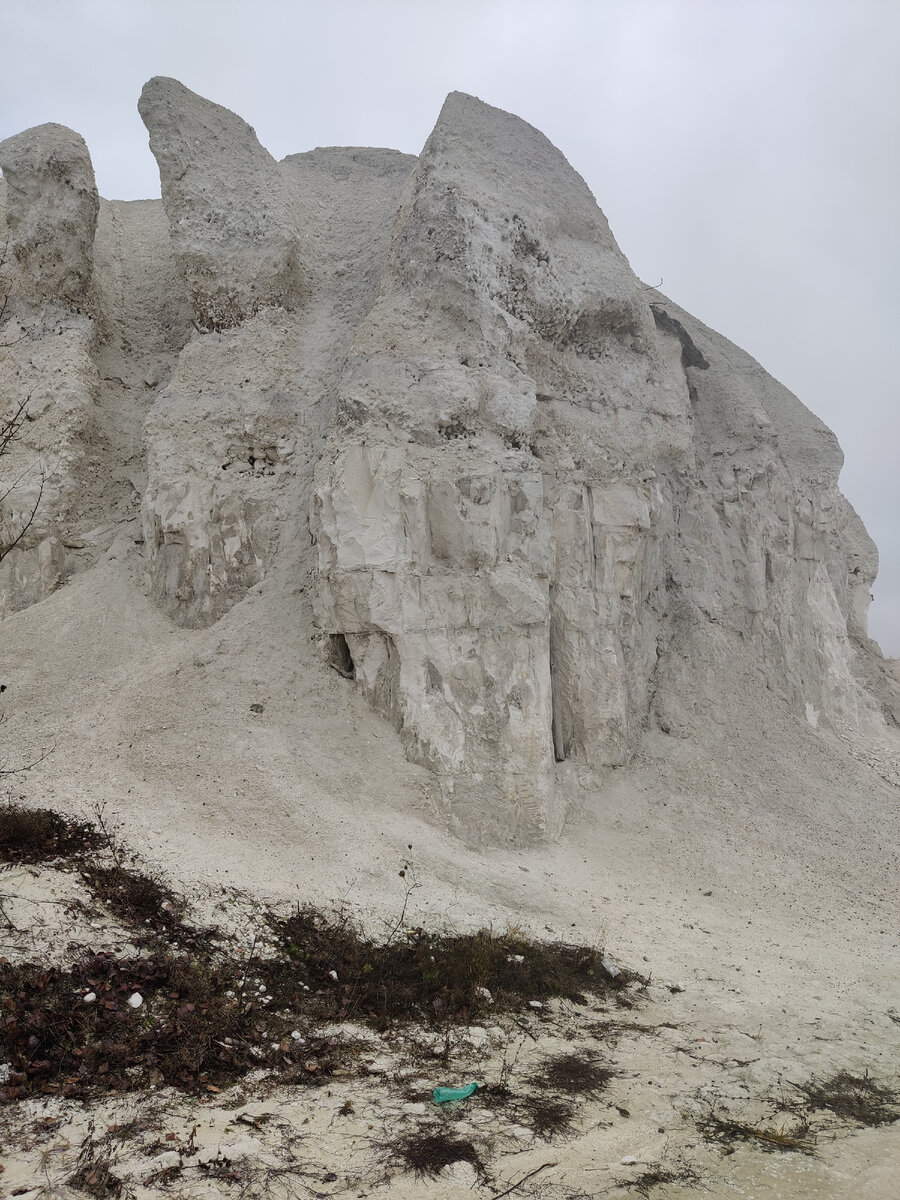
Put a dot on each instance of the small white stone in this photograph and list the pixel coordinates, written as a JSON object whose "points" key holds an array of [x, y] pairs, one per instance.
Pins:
{"points": [[297, 1035], [170, 1158], [331, 975], [515, 958], [535, 1004], [90, 997], [135, 1000], [628, 1161]]}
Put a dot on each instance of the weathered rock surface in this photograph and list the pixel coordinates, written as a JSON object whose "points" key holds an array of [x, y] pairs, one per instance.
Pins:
{"points": [[235, 235], [51, 213], [542, 511], [508, 333], [48, 379], [543, 484], [233, 438]]}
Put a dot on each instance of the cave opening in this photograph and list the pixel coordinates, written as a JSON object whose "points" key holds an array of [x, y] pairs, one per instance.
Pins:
{"points": [[339, 656]]}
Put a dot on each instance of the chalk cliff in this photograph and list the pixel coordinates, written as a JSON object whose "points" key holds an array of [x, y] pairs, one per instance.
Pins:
{"points": [[540, 509]]}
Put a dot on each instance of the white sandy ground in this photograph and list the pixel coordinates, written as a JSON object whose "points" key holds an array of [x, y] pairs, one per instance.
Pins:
{"points": [[768, 892]]}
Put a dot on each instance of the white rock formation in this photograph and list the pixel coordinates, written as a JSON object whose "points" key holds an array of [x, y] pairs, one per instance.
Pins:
{"points": [[542, 511], [233, 438], [233, 229], [48, 217], [542, 483], [51, 213]]}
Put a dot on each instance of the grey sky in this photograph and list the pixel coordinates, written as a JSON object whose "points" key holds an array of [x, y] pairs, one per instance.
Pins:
{"points": [[746, 151]]}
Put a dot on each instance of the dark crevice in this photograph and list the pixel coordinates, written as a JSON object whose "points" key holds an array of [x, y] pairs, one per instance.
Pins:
{"points": [[556, 722], [339, 656], [690, 355]]}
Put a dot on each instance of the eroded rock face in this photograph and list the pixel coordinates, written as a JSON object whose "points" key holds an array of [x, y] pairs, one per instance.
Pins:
{"points": [[48, 378], [235, 236], [435, 568], [542, 509], [232, 440], [513, 365], [764, 544], [51, 213], [550, 486]]}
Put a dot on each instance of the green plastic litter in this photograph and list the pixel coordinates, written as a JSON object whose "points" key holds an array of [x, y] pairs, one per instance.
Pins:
{"points": [[442, 1095]]}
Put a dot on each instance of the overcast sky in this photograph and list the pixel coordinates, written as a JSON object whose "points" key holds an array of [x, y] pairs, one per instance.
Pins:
{"points": [[746, 152]]}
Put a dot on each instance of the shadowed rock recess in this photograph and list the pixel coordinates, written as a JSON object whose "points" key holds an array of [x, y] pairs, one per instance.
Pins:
{"points": [[540, 510]]}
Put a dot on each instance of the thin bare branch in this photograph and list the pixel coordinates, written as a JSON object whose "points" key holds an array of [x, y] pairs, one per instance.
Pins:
{"points": [[10, 426]]}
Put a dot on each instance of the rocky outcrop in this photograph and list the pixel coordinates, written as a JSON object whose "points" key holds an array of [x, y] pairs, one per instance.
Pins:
{"points": [[490, 536], [543, 485], [543, 511], [233, 438], [235, 235], [48, 379], [51, 214], [764, 544]]}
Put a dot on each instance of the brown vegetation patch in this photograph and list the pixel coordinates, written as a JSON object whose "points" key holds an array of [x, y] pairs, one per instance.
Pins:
{"points": [[427, 1151], [435, 978], [575, 1073], [855, 1098], [33, 835], [547, 1117], [187, 1032], [726, 1131], [140, 901], [208, 1013]]}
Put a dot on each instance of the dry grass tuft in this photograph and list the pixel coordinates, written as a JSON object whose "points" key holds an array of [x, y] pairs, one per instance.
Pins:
{"points": [[575, 1073], [427, 1151], [93, 1174], [656, 1174], [33, 835], [421, 976], [726, 1131], [855, 1098], [547, 1117]]}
